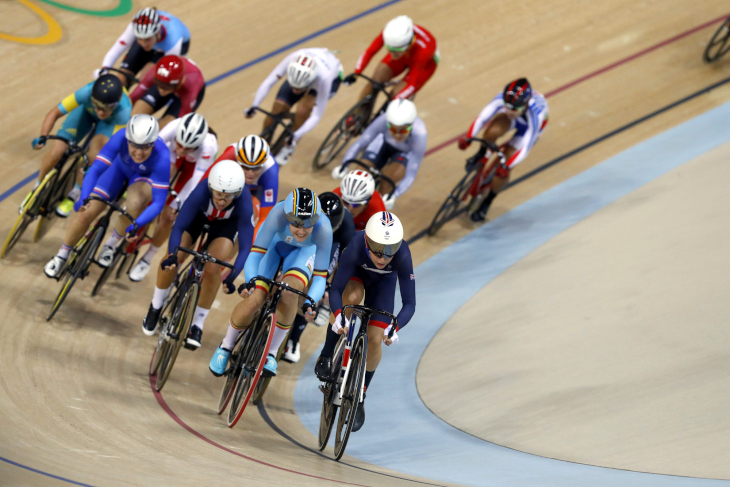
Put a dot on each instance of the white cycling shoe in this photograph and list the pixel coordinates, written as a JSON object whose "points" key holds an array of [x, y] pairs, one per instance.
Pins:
{"points": [[139, 271], [389, 202], [323, 316], [292, 353], [54, 266], [106, 256], [282, 158], [339, 172]]}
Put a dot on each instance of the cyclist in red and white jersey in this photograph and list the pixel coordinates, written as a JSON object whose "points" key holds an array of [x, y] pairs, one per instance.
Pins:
{"points": [[518, 108], [409, 47], [360, 197], [193, 147]]}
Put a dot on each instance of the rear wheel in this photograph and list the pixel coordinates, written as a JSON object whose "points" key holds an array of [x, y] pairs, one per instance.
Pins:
{"points": [[164, 325], [78, 267], [454, 203], [719, 45], [254, 359], [32, 209], [329, 408], [234, 367], [351, 397], [182, 317], [350, 125]]}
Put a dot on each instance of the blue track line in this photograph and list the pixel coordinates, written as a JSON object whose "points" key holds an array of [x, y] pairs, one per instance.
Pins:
{"points": [[43, 473]]}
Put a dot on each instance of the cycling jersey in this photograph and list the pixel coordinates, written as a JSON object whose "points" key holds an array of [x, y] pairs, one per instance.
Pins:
{"points": [[187, 92], [81, 113], [114, 167], [301, 259], [193, 166], [412, 149], [355, 264], [375, 205], [421, 59], [200, 202], [328, 69], [529, 125], [340, 239], [266, 187], [173, 33]]}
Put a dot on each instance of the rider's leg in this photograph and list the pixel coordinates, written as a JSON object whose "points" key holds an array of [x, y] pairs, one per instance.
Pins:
{"points": [[383, 73], [353, 294], [394, 170], [78, 226], [304, 110], [166, 277], [51, 158], [242, 316], [66, 206], [499, 183], [375, 353], [139, 195], [285, 312], [162, 232], [221, 248]]}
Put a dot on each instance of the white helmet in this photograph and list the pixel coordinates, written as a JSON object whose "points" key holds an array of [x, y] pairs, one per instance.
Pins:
{"points": [[252, 151], [191, 131], [384, 234], [146, 23], [302, 71], [398, 33], [401, 112], [357, 187], [142, 129], [226, 176]]}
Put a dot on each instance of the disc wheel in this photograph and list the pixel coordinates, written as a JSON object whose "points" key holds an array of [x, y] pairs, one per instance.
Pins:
{"points": [[254, 359], [350, 125], [718, 45], [329, 409], [454, 202], [77, 267], [182, 317], [351, 397]]}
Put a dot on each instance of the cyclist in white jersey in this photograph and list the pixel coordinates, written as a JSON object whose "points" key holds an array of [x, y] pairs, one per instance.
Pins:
{"points": [[313, 76], [518, 108], [193, 147], [395, 143]]}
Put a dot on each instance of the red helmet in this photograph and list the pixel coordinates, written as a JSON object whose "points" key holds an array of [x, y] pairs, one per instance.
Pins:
{"points": [[170, 70]]}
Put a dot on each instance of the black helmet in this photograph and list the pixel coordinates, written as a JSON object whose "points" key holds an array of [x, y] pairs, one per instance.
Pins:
{"points": [[107, 90], [332, 207], [517, 94]]}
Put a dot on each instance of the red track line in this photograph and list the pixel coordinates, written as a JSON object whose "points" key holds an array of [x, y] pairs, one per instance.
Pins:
{"points": [[171, 413], [601, 71]]}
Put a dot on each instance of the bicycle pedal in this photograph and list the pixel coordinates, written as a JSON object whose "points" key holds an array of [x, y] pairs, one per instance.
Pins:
{"points": [[189, 347]]}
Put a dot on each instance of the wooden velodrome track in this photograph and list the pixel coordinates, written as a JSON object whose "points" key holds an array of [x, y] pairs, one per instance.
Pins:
{"points": [[74, 393]]}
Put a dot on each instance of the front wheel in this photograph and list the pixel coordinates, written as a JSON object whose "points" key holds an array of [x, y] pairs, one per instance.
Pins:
{"points": [[350, 125], [32, 209], [351, 397], [107, 272], [329, 408], [718, 45], [455, 202]]}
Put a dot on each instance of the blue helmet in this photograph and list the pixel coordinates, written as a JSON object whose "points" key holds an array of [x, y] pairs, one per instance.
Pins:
{"points": [[517, 94], [302, 208]]}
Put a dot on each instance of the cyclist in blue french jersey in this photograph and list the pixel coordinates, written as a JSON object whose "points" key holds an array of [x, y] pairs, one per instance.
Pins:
{"points": [[103, 102], [224, 204], [297, 231], [135, 156], [371, 265], [151, 35]]}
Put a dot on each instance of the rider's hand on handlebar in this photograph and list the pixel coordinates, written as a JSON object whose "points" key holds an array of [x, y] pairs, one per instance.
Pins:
{"points": [[390, 341], [337, 325], [245, 289], [464, 142], [249, 112], [349, 79], [228, 286], [309, 314], [169, 263], [39, 142]]}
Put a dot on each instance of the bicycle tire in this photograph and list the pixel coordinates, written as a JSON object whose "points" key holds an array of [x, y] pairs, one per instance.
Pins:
{"points": [[351, 398], [340, 135], [30, 212], [234, 365], [182, 319], [254, 359], [280, 141], [452, 204], [107, 272], [78, 267], [262, 384], [162, 342], [329, 409], [721, 37]]}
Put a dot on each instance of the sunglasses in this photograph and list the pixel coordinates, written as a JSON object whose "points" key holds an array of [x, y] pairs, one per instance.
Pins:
{"points": [[403, 130], [299, 223], [512, 108], [103, 107], [254, 169], [141, 147], [356, 205]]}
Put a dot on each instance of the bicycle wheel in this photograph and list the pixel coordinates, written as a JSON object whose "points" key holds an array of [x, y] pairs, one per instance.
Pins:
{"points": [[329, 408], [234, 365], [254, 359], [718, 45], [351, 397], [454, 202], [358, 117], [127, 262], [262, 384], [78, 267], [30, 212], [107, 272], [182, 317], [162, 339]]}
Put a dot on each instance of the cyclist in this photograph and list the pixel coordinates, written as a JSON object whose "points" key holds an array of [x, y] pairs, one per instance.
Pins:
{"points": [[176, 83], [262, 173], [369, 267], [297, 231], [193, 147], [103, 101], [360, 197], [343, 228], [409, 47], [223, 203], [133, 156], [395, 143], [517, 107], [312, 77], [156, 33]]}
